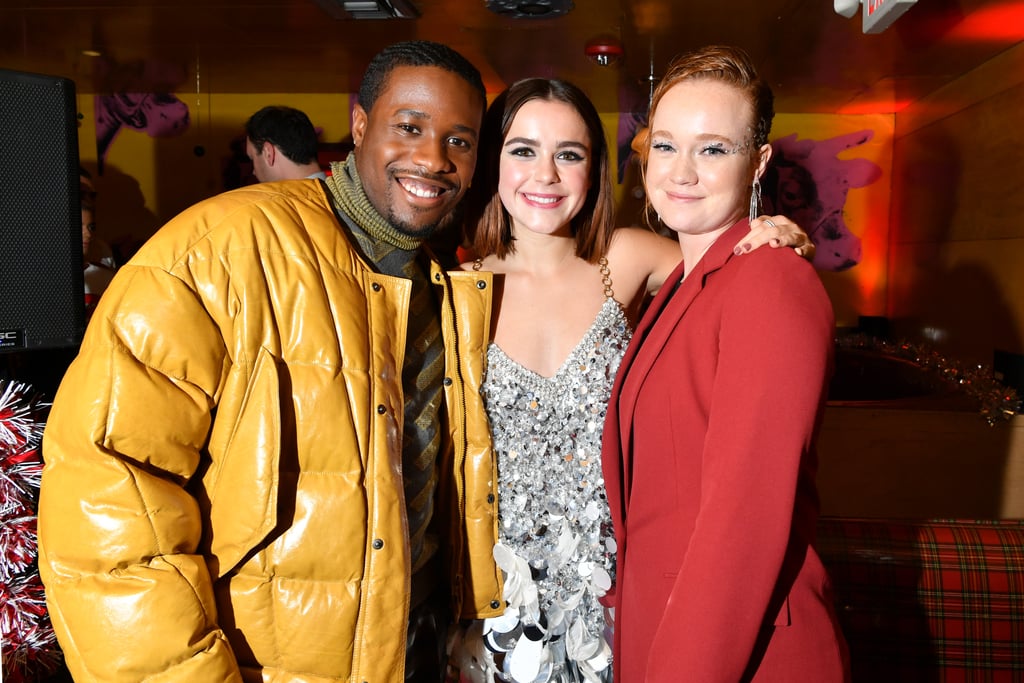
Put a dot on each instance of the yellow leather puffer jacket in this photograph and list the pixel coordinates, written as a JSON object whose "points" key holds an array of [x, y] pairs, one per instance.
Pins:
{"points": [[222, 498]]}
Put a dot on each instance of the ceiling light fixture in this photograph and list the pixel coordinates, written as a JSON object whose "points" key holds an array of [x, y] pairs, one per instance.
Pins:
{"points": [[530, 9], [369, 9]]}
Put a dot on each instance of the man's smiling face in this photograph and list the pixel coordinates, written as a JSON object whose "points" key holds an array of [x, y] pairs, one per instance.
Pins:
{"points": [[416, 147]]}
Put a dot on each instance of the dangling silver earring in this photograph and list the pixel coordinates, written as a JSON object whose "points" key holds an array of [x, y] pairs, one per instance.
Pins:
{"points": [[755, 199]]}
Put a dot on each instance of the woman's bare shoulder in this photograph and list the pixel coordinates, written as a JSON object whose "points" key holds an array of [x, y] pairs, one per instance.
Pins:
{"points": [[629, 233], [650, 255], [632, 241]]}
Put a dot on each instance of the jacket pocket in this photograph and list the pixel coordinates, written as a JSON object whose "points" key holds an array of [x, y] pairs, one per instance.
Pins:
{"points": [[243, 500]]}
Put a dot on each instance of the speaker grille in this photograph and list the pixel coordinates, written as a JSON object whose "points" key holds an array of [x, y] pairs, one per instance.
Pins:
{"points": [[41, 287]]}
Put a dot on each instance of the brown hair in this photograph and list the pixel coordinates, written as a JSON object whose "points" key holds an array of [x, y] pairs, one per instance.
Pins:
{"points": [[488, 226]]}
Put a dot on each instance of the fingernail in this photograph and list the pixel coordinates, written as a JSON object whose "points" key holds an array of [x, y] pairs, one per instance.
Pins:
{"points": [[746, 247]]}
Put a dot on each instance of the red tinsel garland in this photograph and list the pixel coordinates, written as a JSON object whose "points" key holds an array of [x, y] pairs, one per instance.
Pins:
{"points": [[30, 648]]}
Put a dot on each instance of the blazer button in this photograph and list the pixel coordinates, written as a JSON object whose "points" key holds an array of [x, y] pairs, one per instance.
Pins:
{"points": [[381, 410], [377, 544]]}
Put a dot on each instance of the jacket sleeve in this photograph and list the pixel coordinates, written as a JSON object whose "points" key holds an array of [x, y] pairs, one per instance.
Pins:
{"points": [[129, 596], [774, 345]]}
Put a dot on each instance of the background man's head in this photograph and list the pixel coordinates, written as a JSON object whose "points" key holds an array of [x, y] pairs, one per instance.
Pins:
{"points": [[281, 143], [416, 129]]}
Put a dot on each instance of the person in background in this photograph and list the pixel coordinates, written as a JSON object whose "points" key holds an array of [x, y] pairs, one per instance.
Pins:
{"points": [[257, 465], [282, 145], [568, 288], [98, 264], [709, 457]]}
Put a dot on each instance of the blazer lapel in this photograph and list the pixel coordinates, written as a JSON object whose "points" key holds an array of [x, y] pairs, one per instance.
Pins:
{"points": [[655, 329], [621, 406]]}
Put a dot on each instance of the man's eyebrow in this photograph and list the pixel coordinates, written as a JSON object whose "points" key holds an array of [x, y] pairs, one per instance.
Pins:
{"points": [[466, 130], [417, 114]]}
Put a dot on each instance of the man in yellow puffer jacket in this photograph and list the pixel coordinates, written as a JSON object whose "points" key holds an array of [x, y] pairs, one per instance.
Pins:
{"points": [[271, 447]]}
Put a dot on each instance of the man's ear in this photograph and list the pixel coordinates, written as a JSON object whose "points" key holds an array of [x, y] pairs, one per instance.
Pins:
{"points": [[269, 152], [359, 122]]}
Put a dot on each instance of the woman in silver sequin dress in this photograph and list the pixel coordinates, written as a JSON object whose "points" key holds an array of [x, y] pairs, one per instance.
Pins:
{"points": [[568, 289]]}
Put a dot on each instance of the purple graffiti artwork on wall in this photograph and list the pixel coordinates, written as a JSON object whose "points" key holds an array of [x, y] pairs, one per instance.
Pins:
{"points": [[808, 182], [136, 96], [158, 115]]}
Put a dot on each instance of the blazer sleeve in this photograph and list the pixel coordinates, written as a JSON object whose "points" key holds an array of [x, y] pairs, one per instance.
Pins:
{"points": [[129, 596], [774, 346]]}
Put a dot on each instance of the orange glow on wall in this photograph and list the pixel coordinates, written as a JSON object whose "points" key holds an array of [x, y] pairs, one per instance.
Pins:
{"points": [[862, 289], [870, 275], [996, 23], [869, 108]]}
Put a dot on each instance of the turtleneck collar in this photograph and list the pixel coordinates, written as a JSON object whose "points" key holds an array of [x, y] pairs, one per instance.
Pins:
{"points": [[347, 190]]}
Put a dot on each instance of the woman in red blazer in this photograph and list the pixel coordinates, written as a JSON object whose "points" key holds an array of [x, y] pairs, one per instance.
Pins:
{"points": [[709, 445]]}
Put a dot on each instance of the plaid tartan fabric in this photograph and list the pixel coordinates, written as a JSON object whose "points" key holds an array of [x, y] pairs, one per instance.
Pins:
{"points": [[937, 601]]}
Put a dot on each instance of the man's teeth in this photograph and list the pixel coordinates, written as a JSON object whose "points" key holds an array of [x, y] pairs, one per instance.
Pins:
{"points": [[422, 192]]}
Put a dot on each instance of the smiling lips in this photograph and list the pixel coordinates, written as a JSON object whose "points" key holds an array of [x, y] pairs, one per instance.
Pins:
{"points": [[422, 189], [542, 200], [679, 197]]}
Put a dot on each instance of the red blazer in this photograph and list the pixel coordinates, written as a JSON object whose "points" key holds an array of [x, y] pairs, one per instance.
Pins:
{"points": [[709, 465]]}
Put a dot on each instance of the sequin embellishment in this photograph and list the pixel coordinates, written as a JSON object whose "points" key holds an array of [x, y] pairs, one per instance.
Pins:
{"points": [[557, 546]]}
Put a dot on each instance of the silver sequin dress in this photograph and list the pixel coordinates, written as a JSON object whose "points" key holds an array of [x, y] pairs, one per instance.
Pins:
{"points": [[557, 546]]}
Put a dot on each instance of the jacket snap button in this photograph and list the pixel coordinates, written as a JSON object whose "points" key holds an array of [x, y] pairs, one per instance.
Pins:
{"points": [[447, 381], [377, 544], [437, 276], [375, 286], [490, 497], [495, 604], [381, 410], [480, 284]]}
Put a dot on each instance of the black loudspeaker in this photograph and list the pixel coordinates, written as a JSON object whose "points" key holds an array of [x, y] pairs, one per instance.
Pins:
{"points": [[42, 302]]}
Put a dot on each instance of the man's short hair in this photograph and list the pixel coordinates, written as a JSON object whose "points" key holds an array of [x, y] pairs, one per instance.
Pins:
{"points": [[416, 53], [288, 129]]}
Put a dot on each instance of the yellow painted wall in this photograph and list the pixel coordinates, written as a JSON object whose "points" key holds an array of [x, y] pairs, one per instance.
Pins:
{"points": [[861, 290], [146, 180]]}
